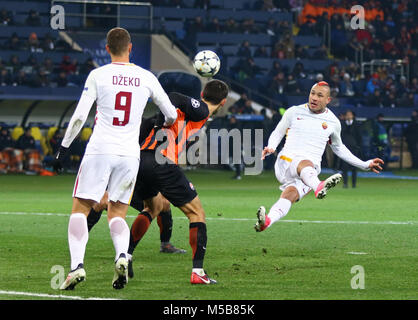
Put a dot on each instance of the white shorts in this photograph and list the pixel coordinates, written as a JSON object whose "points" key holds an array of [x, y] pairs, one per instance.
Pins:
{"points": [[285, 169], [99, 172]]}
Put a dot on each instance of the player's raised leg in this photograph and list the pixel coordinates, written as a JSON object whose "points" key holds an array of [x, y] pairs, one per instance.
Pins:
{"points": [[309, 176]]}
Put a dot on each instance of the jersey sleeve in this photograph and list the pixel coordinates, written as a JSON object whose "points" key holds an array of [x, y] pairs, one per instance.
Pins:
{"points": [[194, 110], [90, 87], [343, 152], [160, 97], [280, 131]]}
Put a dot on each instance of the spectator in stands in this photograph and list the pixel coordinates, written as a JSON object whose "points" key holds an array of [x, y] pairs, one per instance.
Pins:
{"points": [[248, 27], [300, 52], [261, 52], [279, 51], [414, 85], [372, 84], [292, 85], [42, 79], [376, 99], [288, 45], [335, 101], [33, 44], [270, 28], [22, 79], [48, 66], [62, 80], [5, 77], [346, 86], [402, 87], [14, 64], [6, 18], [321, 52], [214, 26], [275, 69], [299, 71], [244, 50], [307, 28], [48, 44], [338, 41], [67, 65], [14, 43], [231, 26], [407, 101], [351, 137], [87, 66], [32, 157], [247, 69], [203, 4], [33, 19], [277, 88], [411, 135], [390, 100]]}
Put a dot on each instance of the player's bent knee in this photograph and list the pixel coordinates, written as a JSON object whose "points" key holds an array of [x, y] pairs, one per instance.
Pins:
{"points": [[303, 164]]}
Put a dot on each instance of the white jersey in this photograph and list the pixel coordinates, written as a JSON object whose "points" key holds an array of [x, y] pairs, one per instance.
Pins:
{"points": [[121, 91], [308, 133]]}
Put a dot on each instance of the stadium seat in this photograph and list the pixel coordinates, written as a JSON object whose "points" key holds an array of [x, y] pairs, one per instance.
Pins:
{"points": [[86, 133], [17, 132]]}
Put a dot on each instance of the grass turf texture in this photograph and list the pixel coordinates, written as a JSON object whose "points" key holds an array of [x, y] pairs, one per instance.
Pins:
{"points": [[291, 260]]}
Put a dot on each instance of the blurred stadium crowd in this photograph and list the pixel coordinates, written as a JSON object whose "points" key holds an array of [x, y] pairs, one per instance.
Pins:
{"points": [[272, 48]]}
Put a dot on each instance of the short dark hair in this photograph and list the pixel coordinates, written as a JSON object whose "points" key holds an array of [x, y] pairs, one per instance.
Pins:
{"points": [[118, 40], [215, 91]]}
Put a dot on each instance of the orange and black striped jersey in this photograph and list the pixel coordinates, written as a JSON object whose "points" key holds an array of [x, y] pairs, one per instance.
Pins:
{"points": [[192, 114]]}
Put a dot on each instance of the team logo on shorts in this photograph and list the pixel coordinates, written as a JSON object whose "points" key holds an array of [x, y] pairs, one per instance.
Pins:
{"points": [[324, 125], [195, 103], [191, 185]]}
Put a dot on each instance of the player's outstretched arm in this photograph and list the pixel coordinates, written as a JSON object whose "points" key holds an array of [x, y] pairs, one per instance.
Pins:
{"points": [[160, 97], [345, 154], [277, 135], [375, 165]]}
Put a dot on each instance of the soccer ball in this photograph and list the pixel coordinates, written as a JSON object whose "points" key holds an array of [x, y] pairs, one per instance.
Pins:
{"points": [[206, 63]]}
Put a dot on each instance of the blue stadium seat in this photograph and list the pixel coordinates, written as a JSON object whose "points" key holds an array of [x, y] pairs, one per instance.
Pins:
{"points": [[309, 41], [258, 16], [20, 6], [230, 38], [178, 13], [24, 32]]}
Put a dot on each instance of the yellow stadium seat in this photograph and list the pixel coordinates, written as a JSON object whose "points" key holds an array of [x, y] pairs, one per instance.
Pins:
{"points": [[51, 132], [17, 132], [36, 133], [85, 134]]}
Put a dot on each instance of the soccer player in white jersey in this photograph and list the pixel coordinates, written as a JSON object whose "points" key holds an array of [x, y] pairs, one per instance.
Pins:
{"points": [[308, 128], [121, 91]]}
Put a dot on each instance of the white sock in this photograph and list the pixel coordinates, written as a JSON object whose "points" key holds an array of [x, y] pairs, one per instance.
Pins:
{"points": [[119, 231], [279, 210], [78, 236], [199, 271], [309, 177]]}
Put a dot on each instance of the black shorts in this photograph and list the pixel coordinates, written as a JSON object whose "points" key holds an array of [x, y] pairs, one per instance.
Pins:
{"points": [[168, 179]]}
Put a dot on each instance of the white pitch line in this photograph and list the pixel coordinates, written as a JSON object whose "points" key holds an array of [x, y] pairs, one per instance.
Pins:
{"points": [[45, 295], [238, 219]]}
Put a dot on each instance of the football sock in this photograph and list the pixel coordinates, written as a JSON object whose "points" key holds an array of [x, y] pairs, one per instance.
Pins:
{"points": [[138, 229], [198, 239], [165, 222], [279, 210], [309, 177], [93, 218], [78, 236], [119, 231]]}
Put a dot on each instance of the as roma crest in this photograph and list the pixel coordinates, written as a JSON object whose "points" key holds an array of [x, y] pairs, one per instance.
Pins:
{"points": [[324, 125]]}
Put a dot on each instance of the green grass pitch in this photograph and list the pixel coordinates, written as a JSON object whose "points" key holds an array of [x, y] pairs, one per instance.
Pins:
{"points": [[374, 226]]}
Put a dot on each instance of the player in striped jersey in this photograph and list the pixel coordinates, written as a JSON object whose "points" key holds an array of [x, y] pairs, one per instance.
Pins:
{"points": [[156, 180]]}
